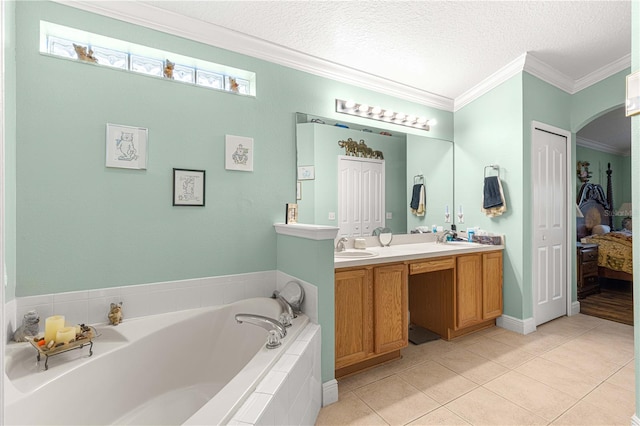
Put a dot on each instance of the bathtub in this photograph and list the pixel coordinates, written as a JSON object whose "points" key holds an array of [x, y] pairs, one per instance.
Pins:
{"points": [[190, 367]]}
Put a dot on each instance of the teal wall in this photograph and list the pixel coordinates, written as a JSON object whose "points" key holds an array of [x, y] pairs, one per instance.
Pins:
{"points": [[489, 131], [9, 226], [83, 226]]}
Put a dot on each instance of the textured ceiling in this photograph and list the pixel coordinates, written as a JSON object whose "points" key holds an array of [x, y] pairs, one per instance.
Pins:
{"points": [[442, 47]]}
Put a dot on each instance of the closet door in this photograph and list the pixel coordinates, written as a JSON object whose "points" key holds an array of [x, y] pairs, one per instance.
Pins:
{"points": [[360, 196], [372, 196]]}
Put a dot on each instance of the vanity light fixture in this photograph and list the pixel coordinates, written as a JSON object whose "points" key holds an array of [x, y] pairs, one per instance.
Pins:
{"points": [[378, 113]]}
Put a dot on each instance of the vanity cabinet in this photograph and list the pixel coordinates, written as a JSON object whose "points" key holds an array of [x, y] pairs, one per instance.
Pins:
{"points": [[478, 288], [371, 323]]}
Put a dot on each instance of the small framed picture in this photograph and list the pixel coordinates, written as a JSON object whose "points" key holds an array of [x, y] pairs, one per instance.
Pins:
{"points": [[188, 187], [306, 172], [126, 147], [298, 190], [238, 153], [291, 215], [632, 106]]}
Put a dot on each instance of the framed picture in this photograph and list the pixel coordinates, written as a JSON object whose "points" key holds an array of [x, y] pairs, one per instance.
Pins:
{"points": [[188, 187], [291, 215], [238, 153], [306, 172], [633, 94], [298, 190], [126, 147]]}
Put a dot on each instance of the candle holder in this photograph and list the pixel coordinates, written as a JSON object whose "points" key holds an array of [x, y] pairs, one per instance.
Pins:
{"points": [[460, 217], [447, 217], [84, 338]]}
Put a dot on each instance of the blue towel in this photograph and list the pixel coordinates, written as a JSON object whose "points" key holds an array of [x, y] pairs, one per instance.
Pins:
{"points": [[415, 197], [492, 196]]}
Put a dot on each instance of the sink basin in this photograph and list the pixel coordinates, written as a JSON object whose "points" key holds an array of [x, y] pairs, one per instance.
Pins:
{"points": [[355, 253]]}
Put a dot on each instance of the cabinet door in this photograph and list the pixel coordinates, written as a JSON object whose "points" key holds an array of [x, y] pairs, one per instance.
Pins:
{"points": [[353, 316], [491, 285], [468, 290], [390, 301]]}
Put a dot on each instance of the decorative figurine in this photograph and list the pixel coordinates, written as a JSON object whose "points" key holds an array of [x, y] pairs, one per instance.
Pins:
{"points": [[235, 87], [115, 313], [83, 55], [168, 69], [29, 327]]}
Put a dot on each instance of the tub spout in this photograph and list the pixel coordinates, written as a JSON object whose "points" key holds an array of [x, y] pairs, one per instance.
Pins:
{"points": [[274, 327]]}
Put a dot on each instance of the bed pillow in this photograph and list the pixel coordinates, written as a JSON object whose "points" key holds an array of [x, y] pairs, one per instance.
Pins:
{"points": [[600, 229]]}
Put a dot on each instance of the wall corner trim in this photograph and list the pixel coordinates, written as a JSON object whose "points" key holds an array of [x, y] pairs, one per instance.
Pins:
{"points": [[516, 325], [310, 232], [329, 392]]}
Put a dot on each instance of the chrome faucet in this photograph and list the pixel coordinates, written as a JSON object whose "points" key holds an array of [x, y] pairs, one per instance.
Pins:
{"points": [[442, 238], [288, 315], [275, 328], [340, 246]]}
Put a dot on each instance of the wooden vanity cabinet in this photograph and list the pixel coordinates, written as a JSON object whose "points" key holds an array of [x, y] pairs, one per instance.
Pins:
{"points": [[478, 291], [371, 323]]}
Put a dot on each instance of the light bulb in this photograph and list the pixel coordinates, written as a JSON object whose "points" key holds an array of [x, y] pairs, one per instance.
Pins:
{"points": [[376, 110], [388, 114], [422, 120], [400, 116], [411, 119], [364, 108], [350, 104]]}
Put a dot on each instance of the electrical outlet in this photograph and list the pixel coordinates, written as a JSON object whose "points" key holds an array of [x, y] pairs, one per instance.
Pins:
{"points": [[332, 216], [389, 215]]}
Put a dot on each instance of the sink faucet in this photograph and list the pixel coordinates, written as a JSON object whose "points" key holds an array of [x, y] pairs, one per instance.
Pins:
{"points": [[340, 245], [442, 238], [275, 328]]}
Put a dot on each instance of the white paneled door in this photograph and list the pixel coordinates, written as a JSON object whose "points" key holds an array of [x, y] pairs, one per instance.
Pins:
{"points": [[550, 200], [360, 196]]}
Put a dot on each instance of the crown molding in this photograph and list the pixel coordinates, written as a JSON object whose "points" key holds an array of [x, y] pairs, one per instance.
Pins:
{"points": [[545, 72], [602, 73], [491, 82], [599, 146], [214, 35]]}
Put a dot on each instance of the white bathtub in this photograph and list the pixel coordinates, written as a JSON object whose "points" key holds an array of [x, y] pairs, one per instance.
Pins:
{"points": [[189, 367]]}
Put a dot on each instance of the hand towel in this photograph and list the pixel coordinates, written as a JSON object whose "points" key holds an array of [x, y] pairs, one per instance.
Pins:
{"points": [[415, 197], [500, 206], [420, 206]]}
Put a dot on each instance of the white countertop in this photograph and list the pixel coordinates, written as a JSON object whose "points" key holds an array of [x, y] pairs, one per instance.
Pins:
{"points": [[403, 252]]}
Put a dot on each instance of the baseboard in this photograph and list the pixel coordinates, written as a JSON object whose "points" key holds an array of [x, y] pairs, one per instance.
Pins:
{"points": [[516, 325], [575, 308], [329, 392]]}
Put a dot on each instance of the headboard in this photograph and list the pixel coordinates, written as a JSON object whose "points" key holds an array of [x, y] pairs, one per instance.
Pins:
{"points": [[594, 207]]}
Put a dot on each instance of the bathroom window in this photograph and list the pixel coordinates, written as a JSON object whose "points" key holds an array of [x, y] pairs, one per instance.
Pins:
{"points": [[74, 44]]}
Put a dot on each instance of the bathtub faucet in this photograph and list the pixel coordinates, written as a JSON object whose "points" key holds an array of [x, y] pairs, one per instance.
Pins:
{"points": [[275, 328], [289, 314]]}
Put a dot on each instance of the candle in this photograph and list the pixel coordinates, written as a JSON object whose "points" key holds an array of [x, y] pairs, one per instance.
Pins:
{"points": [[51, 327], [65, 334]]}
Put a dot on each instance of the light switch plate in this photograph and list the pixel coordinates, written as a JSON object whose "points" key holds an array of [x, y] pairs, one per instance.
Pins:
{"points": [[389, 215], [332, 216]]}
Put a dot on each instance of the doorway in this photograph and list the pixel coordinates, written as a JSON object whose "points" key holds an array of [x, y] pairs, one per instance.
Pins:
{"points": [[550, 218]]}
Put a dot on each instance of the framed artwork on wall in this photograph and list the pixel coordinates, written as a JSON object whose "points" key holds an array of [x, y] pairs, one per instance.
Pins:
{"points": [[291, 214], [633, 94], [188, 187], [238, 153], [306, 172], [126, 147]]}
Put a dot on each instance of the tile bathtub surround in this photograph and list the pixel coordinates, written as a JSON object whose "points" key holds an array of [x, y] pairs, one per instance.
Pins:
{"points": [[574, 370], [92, 306]]}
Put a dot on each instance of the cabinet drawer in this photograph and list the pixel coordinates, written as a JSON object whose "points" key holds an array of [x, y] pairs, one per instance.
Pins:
{"points": [[589, 268], [590, 255], [432, 265]]}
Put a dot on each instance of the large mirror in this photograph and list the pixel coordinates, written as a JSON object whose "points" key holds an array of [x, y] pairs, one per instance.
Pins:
{"points": [[325, 145]]}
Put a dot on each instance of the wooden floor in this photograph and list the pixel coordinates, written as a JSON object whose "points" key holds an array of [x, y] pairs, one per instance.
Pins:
{"points": [[614, 302]]}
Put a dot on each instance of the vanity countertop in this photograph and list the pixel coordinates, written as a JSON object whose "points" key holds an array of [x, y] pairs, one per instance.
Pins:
{"points": [[404, 252]]}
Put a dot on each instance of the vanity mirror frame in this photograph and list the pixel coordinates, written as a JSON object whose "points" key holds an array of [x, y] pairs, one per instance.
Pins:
{"points": [[421, 155]]}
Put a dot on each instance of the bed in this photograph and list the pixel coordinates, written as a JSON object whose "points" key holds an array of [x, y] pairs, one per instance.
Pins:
{"points": [[614, 248]]}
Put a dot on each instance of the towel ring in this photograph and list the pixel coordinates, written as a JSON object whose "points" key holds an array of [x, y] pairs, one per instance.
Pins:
{"points": [[492, 166]]}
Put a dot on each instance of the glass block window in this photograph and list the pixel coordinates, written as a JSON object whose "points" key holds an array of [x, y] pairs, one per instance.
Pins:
{"points": [[210, 79], [60, 41], [184, 74], [111, 58]]}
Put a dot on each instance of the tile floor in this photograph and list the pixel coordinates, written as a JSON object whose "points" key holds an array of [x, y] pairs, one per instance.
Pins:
{"points": [[572, 371]]}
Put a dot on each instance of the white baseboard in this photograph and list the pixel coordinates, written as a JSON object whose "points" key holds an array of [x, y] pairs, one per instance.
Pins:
{"points": [[516, 325], [329, 392], [575, 308]]}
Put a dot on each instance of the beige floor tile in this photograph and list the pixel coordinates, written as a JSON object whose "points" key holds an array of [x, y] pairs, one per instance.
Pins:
{"points": [[565, 327], [471, 365], [531, 394], [349, 410], [441, 417], [396, 401], [624, 378], [351, 383], [603, 348], [483, 407], [560, 377], [507, 355], [578, 356], [437, 381], [613, 398], [584, 413], [535, 343]]}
